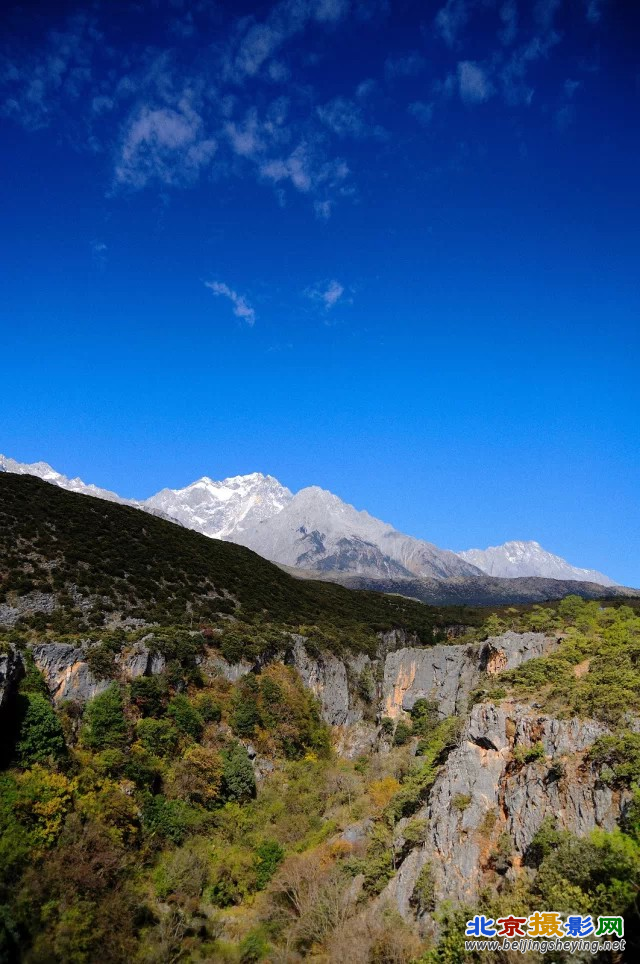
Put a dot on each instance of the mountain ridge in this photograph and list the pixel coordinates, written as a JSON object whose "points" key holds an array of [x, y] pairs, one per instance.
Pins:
{"points": [[316, 530]]}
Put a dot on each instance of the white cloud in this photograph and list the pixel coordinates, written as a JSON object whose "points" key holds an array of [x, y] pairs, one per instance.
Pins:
{"points": [[164, 145], [513, 75], [327, 293], [343, 117], [167, 119], [323, 209], [544, 12], [474, 84], [306, 169], [257, 43], [36, 86], [99, 253], [451, 19], [241, 308], [509, 18]]}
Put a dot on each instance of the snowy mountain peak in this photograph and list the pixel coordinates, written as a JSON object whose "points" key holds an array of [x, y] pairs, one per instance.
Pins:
{"points": [[219, 509], [517, 558]]}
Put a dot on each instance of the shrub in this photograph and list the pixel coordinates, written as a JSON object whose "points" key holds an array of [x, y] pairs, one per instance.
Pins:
{"points": [[198, 776], [239, 780], [104, 722], [158, 736], [403, 734], [148, 693], [181, 873], [185, 716], [461, 801], [171, 819], [529, 754], [424, 716], [619, 752], [245, 716], [208, 708], [269, 855], [366, 685], [423, 896], [40, 735], [386, 726]]}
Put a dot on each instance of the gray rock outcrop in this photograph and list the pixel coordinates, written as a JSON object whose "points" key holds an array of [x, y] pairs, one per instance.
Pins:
{"points": [[487, 788], [68, 675], [448, 674]]}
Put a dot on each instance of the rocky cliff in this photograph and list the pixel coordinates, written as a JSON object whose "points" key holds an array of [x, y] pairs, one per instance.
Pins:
{"points": [[512, 769], [350, 689]]}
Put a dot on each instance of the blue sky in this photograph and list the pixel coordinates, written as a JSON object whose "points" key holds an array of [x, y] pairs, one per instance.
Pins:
{"points": [[391, 249]]}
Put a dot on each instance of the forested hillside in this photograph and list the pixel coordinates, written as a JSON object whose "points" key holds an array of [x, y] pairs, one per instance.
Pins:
{"points": [[98, 561]]}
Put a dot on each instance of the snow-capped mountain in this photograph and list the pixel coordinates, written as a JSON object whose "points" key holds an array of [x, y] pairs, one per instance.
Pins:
{"points": [[224, 509], [515, 559], [44, 471], [316, 530]]}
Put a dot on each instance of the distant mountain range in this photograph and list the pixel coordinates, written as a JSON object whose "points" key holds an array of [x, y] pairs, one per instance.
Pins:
{"points": [[317, 532], [514, 559]]}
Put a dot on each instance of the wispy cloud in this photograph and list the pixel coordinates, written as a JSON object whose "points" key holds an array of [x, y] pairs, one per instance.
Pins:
{"points": [[343, 117], [256, 43], [165, 145], [509, 20], [326, 293], [474, 84], [34, 87], [99, 253], [241, 308], [306, 168], [250, 105], [451, 19]]}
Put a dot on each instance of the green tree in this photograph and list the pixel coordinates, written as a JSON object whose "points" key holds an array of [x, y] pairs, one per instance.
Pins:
{"points": [[403, 733], [186, 716], [269, 854], [104, 722], [238, 776], [40, 734]]}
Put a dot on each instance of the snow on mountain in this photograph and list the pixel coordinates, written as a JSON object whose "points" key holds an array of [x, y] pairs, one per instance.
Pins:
{"points": [[223, 509], [44, 471], [316, 530], [515, 559]]}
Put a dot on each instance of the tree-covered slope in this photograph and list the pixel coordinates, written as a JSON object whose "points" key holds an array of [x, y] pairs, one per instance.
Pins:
{"points": [[99, 560]]}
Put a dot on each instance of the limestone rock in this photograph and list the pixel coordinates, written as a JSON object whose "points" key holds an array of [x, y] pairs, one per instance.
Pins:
{"points": [[448, 674], [485, 789]]}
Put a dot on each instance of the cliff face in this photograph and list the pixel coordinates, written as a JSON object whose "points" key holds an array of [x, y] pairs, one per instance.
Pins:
{"points": [[486, 790], [448, 674], [68, 675], [350, 690]]}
